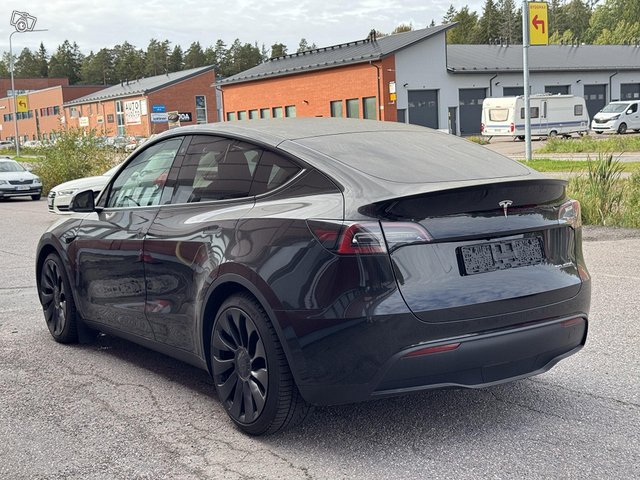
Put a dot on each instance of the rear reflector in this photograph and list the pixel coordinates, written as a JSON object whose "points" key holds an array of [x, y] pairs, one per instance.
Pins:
{"points": [[430, 350], [572, 321]]}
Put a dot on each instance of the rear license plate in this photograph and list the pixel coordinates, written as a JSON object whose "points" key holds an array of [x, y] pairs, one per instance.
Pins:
{"points": [[489, 257]]}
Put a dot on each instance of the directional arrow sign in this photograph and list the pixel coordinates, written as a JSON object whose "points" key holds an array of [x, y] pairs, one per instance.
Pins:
{"points": [[538, 23], [22, 103]]}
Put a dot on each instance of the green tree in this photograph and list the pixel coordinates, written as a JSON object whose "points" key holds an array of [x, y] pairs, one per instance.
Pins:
{"points": [[624, 32], [577, 14], [66, 62], [403, 27], [27, 65], [510, 29], [242, 57], [304, 46], [156, 60], [449, 16], [128, 62], [98, 68], [176, 59], [488, 28], [278, 50], [463, 33], [221, 61], [43, 61], [194, 57]]}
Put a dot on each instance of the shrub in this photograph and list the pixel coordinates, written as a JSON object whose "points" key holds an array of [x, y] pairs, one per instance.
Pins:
{"points": [[76, 154], [479, 140]]}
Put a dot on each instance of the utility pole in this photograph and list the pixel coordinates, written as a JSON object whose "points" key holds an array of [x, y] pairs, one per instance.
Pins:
{"points": [[525, 74]]}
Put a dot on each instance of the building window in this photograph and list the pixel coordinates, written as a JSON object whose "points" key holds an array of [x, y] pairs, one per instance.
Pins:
{"points": [[557, 89], [231, 116], [201, 109], [264, 113], [369, 108], [353, 108], [277, 112], [577, 110], [336, 108], [290, 111], [253, 114], [74, 113], [242, 115], [119, 118], [56, 110]]}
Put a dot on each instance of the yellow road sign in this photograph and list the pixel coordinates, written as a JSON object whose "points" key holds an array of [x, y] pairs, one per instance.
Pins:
{"points": [[538, 23], [22, 103]]}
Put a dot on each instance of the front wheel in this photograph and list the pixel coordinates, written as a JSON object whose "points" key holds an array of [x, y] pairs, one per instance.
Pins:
{"points": [[57, 301], [250, 371], [622, 129], [553, 134]]}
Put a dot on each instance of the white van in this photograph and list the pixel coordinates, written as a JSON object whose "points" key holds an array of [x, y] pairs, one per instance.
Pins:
{"points": [[617, 117], [551, 115]]}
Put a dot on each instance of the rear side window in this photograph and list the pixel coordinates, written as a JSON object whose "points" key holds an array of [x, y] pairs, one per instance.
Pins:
{"points": [[577, 110], [217, 168], [498, 114], [535, 112]]}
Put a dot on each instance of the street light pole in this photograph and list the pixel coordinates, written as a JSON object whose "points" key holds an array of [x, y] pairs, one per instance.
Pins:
{"points": [[16, 137], [23, 23]]}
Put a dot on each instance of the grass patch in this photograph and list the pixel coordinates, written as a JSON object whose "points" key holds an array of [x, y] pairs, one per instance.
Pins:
{"points": [[590, 144], [479, 140], [551, 165], [606, 198]]}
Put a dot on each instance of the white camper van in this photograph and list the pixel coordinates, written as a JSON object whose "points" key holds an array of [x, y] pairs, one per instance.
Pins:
{"points": [[617, 117], [551, 115]]}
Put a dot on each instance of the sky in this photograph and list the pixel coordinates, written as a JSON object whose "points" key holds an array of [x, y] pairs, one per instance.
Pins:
{"points": [[97, 24]]}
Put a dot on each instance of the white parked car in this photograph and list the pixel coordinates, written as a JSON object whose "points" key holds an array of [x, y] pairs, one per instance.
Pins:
{"points": [[617, 117], [60, 195], [17, 181]]}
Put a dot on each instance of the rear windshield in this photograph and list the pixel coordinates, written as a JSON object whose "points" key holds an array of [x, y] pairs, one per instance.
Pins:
{"points": [[498, 114], [415, 157]]}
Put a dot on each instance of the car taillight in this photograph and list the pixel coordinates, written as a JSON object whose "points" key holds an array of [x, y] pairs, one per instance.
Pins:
{"points": [[512, 127], [569, 213], [349, 238], [481, 127], [366, 238]]}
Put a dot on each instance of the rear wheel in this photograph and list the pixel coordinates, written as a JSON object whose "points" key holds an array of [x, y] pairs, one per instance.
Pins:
{"points": [[57, 301], [622, 129], [250, 371]]}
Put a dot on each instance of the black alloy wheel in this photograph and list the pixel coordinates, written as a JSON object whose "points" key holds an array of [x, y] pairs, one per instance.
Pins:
{"points": [[250, 371], [622, 128], [57, 301]]}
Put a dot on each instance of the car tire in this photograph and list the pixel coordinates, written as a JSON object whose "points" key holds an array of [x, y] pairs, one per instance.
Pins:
{"points": [[622, 128], [553, 134], [520, 137], [250, 370], [35, 197], [57, 301]]}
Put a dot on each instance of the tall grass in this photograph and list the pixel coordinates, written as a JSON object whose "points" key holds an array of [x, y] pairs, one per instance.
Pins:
{"points": [[590, 144], [605, 197]]}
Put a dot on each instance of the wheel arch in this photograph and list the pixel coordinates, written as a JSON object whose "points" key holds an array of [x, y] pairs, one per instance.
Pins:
{"points": [[222, 288]]}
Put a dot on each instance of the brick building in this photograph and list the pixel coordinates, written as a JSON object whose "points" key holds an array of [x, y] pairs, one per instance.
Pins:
{"points": [[143, 107], [43, 118], [24, 85], [355, 79]]}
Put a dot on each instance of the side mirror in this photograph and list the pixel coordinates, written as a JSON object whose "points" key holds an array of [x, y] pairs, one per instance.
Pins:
{"points": [[82, 202], [629, 112]]}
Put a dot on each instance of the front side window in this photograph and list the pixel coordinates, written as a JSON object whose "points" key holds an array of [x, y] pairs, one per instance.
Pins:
{"points": [[633, 108], [141, 182]]}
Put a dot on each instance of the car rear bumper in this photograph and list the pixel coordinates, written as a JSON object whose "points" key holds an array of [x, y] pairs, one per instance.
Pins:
{"points": [[477, 361]]}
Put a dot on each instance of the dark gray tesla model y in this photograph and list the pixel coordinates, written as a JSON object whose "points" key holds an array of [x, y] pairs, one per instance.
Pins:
{"points": [[323, 261]]}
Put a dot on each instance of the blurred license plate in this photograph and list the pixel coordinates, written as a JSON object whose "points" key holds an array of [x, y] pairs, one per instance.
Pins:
{"points": [[23, 187], [489, 257]]}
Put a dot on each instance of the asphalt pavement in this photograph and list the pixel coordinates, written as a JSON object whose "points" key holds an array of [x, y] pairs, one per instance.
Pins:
{"points": [[114, 410]]}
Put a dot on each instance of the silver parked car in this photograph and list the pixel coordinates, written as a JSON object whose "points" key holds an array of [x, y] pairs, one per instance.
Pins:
{"points": [[17, 181]]}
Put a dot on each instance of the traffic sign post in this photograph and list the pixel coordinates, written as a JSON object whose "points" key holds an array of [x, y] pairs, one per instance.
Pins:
{"points": [[539, 26]]}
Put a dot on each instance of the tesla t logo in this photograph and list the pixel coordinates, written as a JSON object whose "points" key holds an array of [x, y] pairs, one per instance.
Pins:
{"points": [[505, 204]]}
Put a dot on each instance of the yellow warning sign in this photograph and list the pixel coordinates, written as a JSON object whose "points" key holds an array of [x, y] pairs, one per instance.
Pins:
{"points": [[538, 23], [22, 103]]}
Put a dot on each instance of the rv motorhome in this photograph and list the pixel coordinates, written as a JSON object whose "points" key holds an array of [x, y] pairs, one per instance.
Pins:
{"points": [[551, 115]]}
